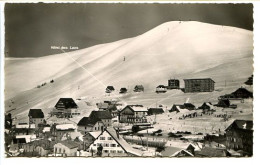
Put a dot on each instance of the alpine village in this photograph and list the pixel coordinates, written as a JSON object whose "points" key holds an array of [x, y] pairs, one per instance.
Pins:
{"points": [[116, 129]]}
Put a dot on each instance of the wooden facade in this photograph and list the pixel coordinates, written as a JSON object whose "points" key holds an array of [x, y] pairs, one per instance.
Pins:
{"points": [[239, 136], [132, 114]]}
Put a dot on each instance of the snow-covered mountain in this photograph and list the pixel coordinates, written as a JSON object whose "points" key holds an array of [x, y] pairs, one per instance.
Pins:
{"points": [[173, 49]]}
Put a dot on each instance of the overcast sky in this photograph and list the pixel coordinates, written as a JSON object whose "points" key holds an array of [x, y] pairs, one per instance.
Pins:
{"points": [[31, 29]]}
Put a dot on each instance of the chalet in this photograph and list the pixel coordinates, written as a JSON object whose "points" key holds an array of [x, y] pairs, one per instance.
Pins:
{"points": [[36, 116], [139, 88], [224, 103], [177, 107], [113, 144], [155, 111], [239, 136], [66, 148], [133, 114], [206, 107], [59, 130], [173, 84], [66, 107], [97, 121], [161, 89], [199, 85], [242, 93], [123, 90], [110, 89], [107, 106]]}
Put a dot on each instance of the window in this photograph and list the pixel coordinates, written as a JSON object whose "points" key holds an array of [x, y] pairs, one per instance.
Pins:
{"points": [[102, 138], [109, 138], [106, 151], [94, 144], [112, 145], [119, 151], [106, 145], [112, 151]]}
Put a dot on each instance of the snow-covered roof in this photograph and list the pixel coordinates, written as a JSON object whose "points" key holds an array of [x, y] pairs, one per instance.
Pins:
{"points": [[139, 109], [121, 141], [74, 135], [28, 138], [46, 129], [150, 131], [176, 153], [65, 126], [25, 126], [95, 134]]}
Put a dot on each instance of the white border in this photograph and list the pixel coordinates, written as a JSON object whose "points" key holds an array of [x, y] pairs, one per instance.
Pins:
{"points": [[134, 161]]}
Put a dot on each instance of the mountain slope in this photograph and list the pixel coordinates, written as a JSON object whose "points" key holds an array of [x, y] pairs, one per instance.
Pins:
{"points": [[173, 49]]}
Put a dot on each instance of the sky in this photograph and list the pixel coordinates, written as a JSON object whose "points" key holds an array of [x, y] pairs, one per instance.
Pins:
{"points": [[31, 29]]}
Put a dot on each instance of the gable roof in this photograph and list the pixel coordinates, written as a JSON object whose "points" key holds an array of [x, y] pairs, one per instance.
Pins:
{"points": [[135, 108], [65, 127], [139, 86], [123, 89], [181, 151], [161, 86], [69, 144], [155, 110], [67, 102], [94, 117], [244, 91], [212, 152], [110, 88], [188, 105], [242, 124], [100, 115], [36, 113], [121, 141]]}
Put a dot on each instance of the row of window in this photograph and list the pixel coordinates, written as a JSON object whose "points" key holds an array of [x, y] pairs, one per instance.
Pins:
{"points": [[112, 151], [106, 145], [104, 138]]}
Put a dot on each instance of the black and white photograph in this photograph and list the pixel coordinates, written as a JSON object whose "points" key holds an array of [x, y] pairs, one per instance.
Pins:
{"points": [[160, 80]]}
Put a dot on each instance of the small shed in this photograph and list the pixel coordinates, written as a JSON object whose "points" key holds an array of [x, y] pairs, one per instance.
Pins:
{"points": [[123, 90], [161, 89], [110, 89], [139, 88]]}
